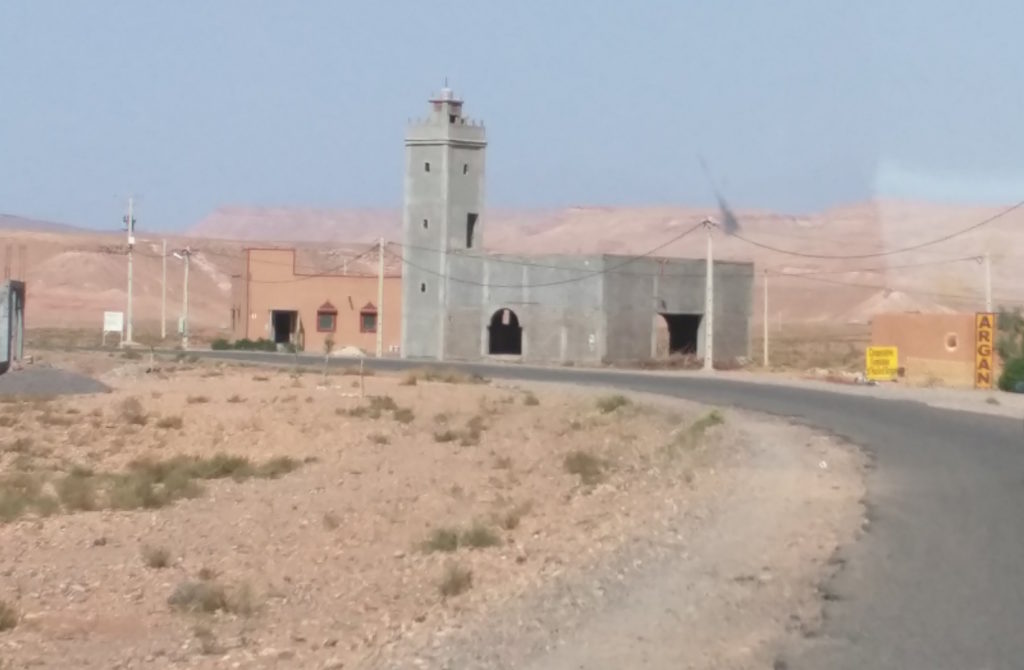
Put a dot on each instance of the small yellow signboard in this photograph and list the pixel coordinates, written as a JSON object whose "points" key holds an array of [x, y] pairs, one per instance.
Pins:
{"points": [[984, 341], [881, 364]]}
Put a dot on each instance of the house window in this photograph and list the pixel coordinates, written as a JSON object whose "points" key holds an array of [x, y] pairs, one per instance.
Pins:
{"points": [[426, 224], [465, 168], [326, 318], [426, 167], [368, 318]]}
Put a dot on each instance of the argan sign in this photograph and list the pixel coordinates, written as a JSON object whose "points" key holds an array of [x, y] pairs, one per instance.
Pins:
{"points": [[984, 344]]}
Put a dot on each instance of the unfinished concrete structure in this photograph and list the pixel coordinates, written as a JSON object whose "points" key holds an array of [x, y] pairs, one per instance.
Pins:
{"points": [[459, 303], [12, 324]]}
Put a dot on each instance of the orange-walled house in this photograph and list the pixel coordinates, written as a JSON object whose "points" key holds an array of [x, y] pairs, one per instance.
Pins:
{"points": [[270, 300]]}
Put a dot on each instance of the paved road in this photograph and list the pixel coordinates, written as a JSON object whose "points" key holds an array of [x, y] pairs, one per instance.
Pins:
{"points": [[38, 381], [937, 581]]}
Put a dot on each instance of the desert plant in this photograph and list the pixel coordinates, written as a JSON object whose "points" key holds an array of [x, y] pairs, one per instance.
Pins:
{"points": [[220, 344], [276, 467], [404, 415], [530, 399], [205, 596], [609, 404], [410, 379], [331, 521], [235, 399], [8, 616], [21, 445], [455, 581], [445, 436], [1012, 377], [503, 463], [589, 468], [260, 378], [197, 400], [442, 539], [378, 438], [479, 536], [77, 491], [170, 422], [509, 520], [156, 557], [1010, 340], [131, 412]]}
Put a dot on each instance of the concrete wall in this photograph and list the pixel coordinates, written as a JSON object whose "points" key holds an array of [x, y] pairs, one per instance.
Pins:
{"points": [[638, 290], [923, 346], [272, 284]]}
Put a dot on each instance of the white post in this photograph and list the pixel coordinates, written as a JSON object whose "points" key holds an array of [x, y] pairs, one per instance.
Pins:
{"points": [[766, 318], [988, 282], [129, 222], [186, 254], [380, 300], [163, 293], [709, 305]]}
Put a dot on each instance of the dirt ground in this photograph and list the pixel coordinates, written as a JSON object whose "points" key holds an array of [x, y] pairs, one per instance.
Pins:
{"points": [[227, 517]]}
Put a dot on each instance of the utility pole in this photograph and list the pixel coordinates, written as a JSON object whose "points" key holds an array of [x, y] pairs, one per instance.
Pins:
{"points": [[185, 255], [129, 226], [709, 303], [766, 318], [163, 292], [988, 282], [380, 299]]}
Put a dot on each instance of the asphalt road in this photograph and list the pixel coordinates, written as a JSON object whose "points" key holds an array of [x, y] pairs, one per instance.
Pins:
{"points": [[936, 582]]}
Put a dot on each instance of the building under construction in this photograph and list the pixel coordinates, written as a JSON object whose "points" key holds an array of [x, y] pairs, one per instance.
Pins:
{"points": [[461, 303]]}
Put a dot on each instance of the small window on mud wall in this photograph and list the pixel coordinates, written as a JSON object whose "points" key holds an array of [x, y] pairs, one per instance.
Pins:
{"points": [[368, 319], [326, 318]]}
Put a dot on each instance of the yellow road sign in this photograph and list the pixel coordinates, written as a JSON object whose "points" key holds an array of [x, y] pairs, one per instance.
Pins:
{"points": [[881, 363], [984, 342]]}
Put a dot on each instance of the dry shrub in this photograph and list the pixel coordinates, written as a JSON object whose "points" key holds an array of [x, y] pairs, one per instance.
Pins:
{"points": [[530, 400], [446, 436], [589, 468], [77, 491], [409, 379], [131, 412], [510, 519], [455, 581], [171, 423], [235, 399], [404, 415], [197, 400], [479, 536], [8, 616], [21, 445], [8, 420], [205, 597], [331, 521], [378, 438], [21, 492], [442, 539], [609, 404], [356, 372], [48, 418], [444, 376], [260, 378], [156, 557], [503, 463]]}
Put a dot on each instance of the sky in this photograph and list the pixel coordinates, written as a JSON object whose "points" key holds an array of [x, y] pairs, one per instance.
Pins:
{"points": [[796, 105]]}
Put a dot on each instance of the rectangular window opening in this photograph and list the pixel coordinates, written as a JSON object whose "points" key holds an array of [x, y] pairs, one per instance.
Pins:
{"points": [[426, 166], [368, 322], [470, 229], [326, 322]]}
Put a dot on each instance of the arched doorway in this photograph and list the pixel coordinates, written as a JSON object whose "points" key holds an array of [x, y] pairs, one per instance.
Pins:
{"points": [[505, 335]]}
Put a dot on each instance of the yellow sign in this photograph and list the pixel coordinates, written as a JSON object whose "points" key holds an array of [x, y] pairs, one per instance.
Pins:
{"points": [[881, 363], [984, 342]]}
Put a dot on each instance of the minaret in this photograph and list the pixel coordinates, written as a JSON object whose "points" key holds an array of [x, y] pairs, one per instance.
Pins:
{"points": [[443, 203]]}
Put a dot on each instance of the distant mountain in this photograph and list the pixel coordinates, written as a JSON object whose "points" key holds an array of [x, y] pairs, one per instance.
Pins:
{"points": [[12, 222]]}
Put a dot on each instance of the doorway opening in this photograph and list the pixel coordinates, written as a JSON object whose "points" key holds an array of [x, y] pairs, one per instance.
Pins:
{"points": [[505, 335], [282, 325], [682, 333]]}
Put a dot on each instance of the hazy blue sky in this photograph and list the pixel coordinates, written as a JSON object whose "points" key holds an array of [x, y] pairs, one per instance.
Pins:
{"points": [[797, 104]]}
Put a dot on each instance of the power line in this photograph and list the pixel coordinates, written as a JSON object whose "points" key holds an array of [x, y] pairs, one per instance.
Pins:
{"points": [[891, 252], [589, 273]]}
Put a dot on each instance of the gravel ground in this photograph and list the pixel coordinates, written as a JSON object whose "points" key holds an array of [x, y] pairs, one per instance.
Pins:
{"points": [[46, 381]]}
